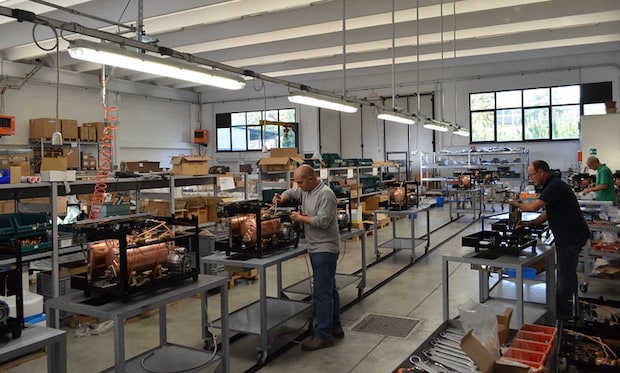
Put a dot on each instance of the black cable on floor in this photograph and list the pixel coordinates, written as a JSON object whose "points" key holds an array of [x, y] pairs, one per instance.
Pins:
{"points": [[295, 342]]}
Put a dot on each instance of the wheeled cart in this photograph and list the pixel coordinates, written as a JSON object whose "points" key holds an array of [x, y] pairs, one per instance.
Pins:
{"points": [[403, 243]]}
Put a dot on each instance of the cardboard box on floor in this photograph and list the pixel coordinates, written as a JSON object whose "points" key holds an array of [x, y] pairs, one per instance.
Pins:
{"points": [[503, 325], [485, 361]]}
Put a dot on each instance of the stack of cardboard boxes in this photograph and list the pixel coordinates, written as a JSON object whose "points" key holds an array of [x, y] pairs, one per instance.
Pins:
{"points": [[281, 159]]}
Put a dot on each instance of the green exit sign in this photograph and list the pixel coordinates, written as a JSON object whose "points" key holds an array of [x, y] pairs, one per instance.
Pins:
{"points": [[593, 151]]}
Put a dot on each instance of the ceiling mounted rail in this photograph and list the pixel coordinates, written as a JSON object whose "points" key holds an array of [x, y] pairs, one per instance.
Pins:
{"points": [[26, 16]]}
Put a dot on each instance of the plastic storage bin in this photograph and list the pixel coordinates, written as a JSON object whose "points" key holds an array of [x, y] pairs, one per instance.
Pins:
{"points": [[533, 336], [532, 358], [528, 273], [523, 344], [549, 330], [29, 224]]}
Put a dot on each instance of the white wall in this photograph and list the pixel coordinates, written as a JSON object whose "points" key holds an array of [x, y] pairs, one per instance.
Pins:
{"points": [[155, 128]]}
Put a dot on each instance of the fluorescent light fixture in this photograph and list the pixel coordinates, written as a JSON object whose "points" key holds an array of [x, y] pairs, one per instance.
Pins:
{"points": [[325, 102], [167, 67], [435, 125], [460, 131], [394, 116]]}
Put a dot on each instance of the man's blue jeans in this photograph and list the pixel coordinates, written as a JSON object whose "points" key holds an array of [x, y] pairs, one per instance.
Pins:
{"points": [[325, 296], [567, 282]]}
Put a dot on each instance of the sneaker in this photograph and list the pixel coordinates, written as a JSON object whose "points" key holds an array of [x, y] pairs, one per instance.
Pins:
{"points": [[338, 332], [315, 343]]}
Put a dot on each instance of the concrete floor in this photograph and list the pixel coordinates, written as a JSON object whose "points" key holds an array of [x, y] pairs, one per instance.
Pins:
{"points": [[416, 293]]}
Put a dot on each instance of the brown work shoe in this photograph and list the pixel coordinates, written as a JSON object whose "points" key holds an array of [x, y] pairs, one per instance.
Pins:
{"points": [[315, 343], [338, 332]]}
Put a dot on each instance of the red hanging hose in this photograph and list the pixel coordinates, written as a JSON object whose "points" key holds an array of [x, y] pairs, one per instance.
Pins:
{"points": [[106, 149]]}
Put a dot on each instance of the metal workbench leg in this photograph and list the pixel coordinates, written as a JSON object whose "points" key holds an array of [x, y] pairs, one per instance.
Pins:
{"points": [[483, 285], [119, 344], [519, 296], [225, 346], [362, 284], [412, 219], [57, 355], [163, 332], [279, 279], [393, 223], [446, 302], [550, 282], [377, 254], [264, 332], [428, 230]]}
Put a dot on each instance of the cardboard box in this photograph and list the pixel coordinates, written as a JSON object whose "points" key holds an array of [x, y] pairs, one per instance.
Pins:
{"points": [[7, 207], [16, 174], [485, 361], [279, 163], [83, 133], [503, 325], [142, 166], [284, 152], [61, 203], [211, 203], [54, 175], [190, 165], [54, 164], [42, 128], [73, 157], [69, 129], [98, 132]]}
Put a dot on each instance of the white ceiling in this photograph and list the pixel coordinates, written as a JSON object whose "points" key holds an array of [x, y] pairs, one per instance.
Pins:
{"points": [[302, 40]]}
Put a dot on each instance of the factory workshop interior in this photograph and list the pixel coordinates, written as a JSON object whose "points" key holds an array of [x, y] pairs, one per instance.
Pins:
{"points": [[146, 147]]}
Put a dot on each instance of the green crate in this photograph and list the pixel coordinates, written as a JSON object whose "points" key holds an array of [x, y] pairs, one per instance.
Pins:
{"points": [[115, 210], [7, 228], [43, 246], [28, 224]]}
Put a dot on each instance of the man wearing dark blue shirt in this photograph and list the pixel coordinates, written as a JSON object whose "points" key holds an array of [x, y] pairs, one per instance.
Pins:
{"points": [[569, 228]]}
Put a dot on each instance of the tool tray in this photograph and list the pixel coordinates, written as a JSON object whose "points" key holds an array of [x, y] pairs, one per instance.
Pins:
{"points": [[491, 240]]}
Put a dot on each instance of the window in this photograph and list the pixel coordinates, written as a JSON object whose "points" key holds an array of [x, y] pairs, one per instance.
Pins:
{"points": [[549, 113], [242, 131]]}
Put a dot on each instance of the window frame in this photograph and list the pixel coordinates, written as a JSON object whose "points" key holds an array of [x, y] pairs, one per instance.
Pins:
{"points": [[224, 127], [550, 107]]}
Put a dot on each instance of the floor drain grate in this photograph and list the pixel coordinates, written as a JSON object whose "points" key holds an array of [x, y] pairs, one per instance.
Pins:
{"points": [[393, 326]]}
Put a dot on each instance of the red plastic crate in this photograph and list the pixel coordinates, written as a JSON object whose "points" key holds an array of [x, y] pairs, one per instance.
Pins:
{"points": [[532, 358], [532, 336], [550, 330], [523, 344]]}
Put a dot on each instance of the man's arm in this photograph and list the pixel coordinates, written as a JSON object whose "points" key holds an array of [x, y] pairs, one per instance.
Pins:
{"points": [[530, 206]]}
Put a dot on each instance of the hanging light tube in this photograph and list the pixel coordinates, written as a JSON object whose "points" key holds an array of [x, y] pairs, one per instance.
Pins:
{"points": [[325, 102], [394, 116], [460, 131], [436, 125], [167, 67]]}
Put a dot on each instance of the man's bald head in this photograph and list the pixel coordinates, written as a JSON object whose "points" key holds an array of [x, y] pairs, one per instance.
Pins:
{"points": [[305, 178]]}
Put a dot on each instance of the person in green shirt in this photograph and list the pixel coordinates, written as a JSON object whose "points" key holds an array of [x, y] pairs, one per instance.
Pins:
{"points": [[604, 186]]}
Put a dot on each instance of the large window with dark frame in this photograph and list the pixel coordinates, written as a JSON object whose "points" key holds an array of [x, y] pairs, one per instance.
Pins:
{"points": [[243, 131], [535, 114]]}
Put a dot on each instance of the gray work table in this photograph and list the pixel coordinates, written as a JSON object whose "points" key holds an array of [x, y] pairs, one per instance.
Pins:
{"points": [[34, 338], [342, 279], [403, 243], [268, 312], [166, 353], [485, 266]]}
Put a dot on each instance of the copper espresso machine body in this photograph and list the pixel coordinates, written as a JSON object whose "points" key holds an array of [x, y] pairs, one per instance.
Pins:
{"points": [[402, 195], [121, 264], [254, 230]]}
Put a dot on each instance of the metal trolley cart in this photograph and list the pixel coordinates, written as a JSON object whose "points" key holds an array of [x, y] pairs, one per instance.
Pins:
{"points": [[403, 243]]}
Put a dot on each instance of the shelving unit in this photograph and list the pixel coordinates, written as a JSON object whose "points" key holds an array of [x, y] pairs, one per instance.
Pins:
{"points": [[590, 255], [42, 145], [436, 168], [17, 192]]}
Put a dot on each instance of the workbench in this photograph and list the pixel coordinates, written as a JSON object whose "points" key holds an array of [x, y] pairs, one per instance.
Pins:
{"points": [[403, 243], [166, 356], [266, 313], [34, 338], [486, 266], [342, 280], [460, 198]]}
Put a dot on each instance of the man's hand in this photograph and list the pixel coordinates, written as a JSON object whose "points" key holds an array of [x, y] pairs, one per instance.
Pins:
{"points": [[298, 217], [277, 199]]}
